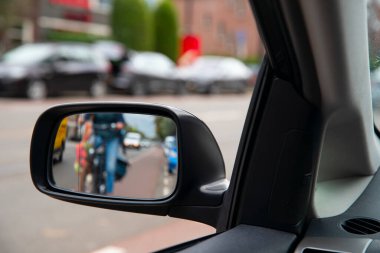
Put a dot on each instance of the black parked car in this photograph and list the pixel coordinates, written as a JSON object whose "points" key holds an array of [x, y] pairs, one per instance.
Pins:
{"points": [[42, 69]]}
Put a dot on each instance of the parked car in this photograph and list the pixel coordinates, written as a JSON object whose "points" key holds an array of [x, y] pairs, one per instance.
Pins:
{"points": [[42, 69], [146, 73], [60, 141], [171, 153], [169, 143], [146, 143], [215, 74], [306, 177]]}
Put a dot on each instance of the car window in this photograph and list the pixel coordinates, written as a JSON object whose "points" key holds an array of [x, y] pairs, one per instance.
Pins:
{"points": [[205, 35], [152, 63], [76, 53]]}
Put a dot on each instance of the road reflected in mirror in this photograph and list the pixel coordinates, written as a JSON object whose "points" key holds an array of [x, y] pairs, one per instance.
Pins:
{"points": [[133, 156]]}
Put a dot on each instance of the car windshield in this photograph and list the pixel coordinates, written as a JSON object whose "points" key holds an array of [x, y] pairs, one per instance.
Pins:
{"points": [[28, 54]]}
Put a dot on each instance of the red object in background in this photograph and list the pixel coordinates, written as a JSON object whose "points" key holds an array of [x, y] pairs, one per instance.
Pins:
{"points": [[191, 49], [84, 17], [191, 42], [83, 4]]}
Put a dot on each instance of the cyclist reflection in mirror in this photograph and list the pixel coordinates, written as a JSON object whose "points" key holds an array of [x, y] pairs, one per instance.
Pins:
{"points": [[82, 164], [108, 129]]}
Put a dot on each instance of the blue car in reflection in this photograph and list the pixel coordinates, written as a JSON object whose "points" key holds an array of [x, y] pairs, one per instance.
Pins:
{"points": [[171, 153]]}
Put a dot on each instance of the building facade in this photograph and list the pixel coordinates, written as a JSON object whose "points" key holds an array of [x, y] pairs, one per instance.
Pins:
{"points": [[77, 16], [224, 27]]}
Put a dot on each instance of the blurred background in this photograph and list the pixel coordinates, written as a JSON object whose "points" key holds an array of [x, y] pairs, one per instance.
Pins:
{"points": [[199, 55], [137, 47]]}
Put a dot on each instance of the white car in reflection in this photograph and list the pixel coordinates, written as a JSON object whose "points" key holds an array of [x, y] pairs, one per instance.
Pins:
{"points": [[215, 74], [132, 140]]}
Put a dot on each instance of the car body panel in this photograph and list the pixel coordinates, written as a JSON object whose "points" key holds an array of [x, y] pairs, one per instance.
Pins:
{"points": [[152, 71], [226, 72]]}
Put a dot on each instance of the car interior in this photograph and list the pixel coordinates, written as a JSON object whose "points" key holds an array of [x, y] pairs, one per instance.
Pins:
{"points": [[305, 177]]}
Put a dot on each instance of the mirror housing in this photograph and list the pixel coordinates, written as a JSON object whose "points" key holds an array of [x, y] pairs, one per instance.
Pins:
{"points": [[201, 174]]}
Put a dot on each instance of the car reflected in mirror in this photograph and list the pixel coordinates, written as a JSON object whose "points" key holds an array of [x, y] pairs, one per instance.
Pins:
{"points": [[126, 155]]}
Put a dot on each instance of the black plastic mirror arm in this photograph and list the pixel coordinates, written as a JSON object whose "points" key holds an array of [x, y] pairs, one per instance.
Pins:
{"points": [[200, 164]]}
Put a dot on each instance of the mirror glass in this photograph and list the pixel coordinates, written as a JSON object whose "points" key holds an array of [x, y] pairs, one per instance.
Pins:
{"points": [[116, 154]]}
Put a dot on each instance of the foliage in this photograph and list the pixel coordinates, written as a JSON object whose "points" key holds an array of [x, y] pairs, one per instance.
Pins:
{"points": [[166, 29], [131, 24], [252, 60], [70, 36], [131, 129], [165, 127]]}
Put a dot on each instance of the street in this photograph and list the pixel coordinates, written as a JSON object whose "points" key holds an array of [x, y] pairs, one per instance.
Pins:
{"points": [[33, 222], [147, 164]]}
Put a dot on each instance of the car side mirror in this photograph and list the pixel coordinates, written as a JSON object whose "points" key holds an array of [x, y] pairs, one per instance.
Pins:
{"points": [[131, 157], [127, 155]]}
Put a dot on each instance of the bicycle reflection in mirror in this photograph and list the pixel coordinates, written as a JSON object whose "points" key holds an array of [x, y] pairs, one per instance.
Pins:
{"points": [[116, 154]]}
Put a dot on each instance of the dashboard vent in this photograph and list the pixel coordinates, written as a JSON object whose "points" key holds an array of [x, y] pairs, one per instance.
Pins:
{"points": [[361, 226]]}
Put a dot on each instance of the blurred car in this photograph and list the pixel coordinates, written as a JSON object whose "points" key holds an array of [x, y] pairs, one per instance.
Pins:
{"points": [[169, 142], [145, 143], [172, 160], [148, 72], [214, 74], [132, 140], [42, 69], [60, 141], [171, 153]]}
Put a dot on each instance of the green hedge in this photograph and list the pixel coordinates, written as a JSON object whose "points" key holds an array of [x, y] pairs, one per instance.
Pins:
{"points": [[70, 36], [131, 24], [166, 29]]}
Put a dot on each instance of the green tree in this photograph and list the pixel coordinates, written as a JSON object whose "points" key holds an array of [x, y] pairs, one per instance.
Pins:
{"points": [[131, 24], [165, 127], [131, 129], [166, 29]]}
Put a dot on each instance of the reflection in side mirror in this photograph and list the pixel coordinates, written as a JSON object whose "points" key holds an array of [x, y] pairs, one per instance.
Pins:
{"points": [[126, 155]]}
